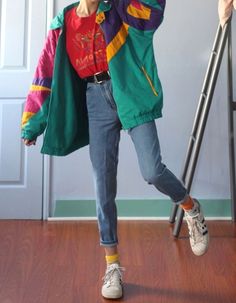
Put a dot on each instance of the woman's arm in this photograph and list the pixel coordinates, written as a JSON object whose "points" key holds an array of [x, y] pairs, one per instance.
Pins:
{"points": [[225, 8]]}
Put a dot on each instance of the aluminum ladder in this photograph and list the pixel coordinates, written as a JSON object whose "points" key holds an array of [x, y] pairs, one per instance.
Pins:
{"points": [[223, 38]]}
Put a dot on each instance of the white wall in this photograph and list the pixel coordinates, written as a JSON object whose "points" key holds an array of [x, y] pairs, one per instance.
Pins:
{"points": [[182, 48]]}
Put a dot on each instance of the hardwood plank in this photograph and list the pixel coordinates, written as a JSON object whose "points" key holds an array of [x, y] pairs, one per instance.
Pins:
{"points": [[62, 262]]}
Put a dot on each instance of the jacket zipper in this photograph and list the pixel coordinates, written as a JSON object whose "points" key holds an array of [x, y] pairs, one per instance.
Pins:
{"points": [[150, 81]]}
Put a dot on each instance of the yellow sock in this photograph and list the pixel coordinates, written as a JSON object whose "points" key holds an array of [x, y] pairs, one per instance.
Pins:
{"points": [[188, 204], [112, 259]]}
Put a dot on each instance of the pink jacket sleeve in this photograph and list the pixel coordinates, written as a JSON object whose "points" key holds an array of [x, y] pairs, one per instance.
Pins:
{"points": [[34, 117]]}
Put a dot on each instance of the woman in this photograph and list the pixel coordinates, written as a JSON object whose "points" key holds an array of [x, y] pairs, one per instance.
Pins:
{"points": [[96, 75]]}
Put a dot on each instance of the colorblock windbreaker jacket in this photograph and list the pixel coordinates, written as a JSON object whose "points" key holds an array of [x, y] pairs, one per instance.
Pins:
{"points": [[56, 103]]}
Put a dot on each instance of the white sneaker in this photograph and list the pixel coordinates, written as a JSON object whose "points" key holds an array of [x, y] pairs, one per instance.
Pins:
{"points": [[112, 286], [199, 236]]}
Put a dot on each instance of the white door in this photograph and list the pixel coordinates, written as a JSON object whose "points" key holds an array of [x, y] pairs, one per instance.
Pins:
{"points": [[22, 33]]}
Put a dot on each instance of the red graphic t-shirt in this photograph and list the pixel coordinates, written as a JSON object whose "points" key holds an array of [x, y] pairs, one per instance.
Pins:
{"points": [[85, 44]]}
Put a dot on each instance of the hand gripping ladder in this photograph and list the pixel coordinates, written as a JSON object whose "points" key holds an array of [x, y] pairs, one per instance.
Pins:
{"points": [[222, 37]]}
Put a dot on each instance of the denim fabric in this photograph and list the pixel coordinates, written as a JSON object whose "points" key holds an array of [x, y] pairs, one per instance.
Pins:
{"points": [[104, 137]]}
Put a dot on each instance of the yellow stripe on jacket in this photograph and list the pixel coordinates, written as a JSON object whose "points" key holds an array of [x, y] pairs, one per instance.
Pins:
{"points": [[25, 117], [39, 88], [116, 43], [143, 13]]}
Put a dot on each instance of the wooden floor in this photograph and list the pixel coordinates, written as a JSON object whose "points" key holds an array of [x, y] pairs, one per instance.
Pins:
{"points": [[62, 262]]}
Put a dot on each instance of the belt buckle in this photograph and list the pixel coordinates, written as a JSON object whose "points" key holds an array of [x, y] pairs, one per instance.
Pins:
{"points": [[95, 78]]}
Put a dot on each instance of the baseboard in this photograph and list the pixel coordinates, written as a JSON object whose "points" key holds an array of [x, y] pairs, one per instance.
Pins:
{"points": [[138, 209], [130, 218]]}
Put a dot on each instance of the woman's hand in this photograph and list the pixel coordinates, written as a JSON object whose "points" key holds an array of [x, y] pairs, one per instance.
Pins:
{"points": [[28, 142]]}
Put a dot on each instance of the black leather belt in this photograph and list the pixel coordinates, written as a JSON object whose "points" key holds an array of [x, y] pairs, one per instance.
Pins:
{"points": [[98, 78]]}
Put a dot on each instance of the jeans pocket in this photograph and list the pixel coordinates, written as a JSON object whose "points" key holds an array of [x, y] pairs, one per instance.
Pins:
{"points": [[108, 95]]}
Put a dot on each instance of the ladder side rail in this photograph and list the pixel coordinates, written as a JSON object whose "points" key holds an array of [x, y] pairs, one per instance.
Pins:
{"points": [[202, 125], [207, 105], [231, 109], [202, 99], [198, 114]]}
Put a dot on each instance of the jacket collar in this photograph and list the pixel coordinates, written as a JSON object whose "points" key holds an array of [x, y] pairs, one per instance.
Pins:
{"points": [[58, 21], [103, 6]]}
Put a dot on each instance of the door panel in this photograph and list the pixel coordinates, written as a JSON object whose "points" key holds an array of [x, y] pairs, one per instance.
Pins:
{"points": [[22, 34]]}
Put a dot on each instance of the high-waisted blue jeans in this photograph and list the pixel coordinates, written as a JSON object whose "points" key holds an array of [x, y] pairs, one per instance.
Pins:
{"points": [[104, 134]]}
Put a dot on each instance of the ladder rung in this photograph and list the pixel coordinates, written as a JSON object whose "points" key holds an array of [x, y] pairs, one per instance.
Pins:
{"points": [[204, 95]]}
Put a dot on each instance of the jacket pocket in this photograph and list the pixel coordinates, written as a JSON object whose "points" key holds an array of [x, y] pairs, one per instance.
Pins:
{"points": [[150, 81]]}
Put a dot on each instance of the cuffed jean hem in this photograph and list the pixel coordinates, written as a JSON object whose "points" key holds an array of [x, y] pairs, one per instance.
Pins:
{"points": [[108, 244], [182, 200]]}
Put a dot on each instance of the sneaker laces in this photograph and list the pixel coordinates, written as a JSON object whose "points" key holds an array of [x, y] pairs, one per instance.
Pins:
{"points": [[113, 273], [195, 227]]}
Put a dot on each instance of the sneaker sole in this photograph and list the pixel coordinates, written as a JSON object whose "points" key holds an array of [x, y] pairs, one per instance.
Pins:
{"points": [[112, 297], [118, 296]]}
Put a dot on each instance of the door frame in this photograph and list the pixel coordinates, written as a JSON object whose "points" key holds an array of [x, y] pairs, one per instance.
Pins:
{"points": [[47, 160]]}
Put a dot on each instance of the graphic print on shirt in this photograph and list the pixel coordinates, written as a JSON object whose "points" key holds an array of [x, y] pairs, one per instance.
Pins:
{"points": [[87, 43]]}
